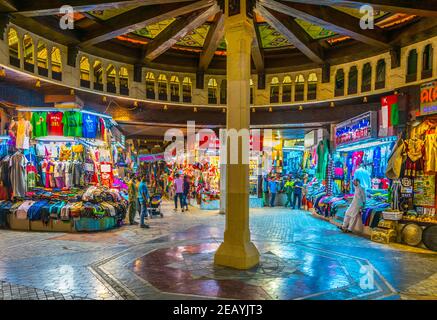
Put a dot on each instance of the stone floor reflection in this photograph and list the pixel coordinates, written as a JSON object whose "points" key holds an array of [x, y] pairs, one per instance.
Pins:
{"points": [[301, 258]]}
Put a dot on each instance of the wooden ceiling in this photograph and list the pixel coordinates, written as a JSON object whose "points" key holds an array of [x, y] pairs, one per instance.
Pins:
{"points": [[103, 37]]}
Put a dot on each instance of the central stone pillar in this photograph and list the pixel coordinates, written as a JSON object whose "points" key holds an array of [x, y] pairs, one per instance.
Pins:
{"points": [[237, 251]]}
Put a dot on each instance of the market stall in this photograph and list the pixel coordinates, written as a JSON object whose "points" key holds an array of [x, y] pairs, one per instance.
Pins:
{"points": [[58, 172]]}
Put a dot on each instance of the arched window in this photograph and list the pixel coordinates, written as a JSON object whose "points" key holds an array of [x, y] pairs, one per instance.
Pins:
{"points": [[42, 59], [98, 75], [380, 75], [150, 85], [174, 88], [299, 88], [366, 79], [274, 90], [111, 74], [162, 87], [223, 91], [56, 64], [427, 58], [412, 66], [84, 72], [123, 78], [312, 87], [14, 48], [29, 51], [339, 83], [251, 91], [353, 80], [286, 89], [186, 89], [212, 91]]}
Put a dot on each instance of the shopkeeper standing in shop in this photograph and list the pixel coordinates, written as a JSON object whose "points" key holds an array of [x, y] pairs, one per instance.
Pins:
{"points": [[298, 186], [143, 197], [273, 189], [288, 188], [353, 212]]}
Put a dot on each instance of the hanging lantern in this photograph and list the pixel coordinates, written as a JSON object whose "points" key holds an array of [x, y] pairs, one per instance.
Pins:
{"points": [[300, 108], [224, 110], [270, 109], [2, 72], [135, 103], [104, 99], [72, 92], [332, 104], [365, 99], [38, 84], [165, 107], [195, 109]]}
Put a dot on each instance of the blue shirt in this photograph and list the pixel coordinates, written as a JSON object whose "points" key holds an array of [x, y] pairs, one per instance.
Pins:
{"points": [[273, 186], [90, 123], [142, 189]]}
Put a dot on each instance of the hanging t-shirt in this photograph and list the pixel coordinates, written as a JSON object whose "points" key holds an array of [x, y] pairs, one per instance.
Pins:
{"points": [[55, 124], [90, 124], [39, 124], [72, 122]]}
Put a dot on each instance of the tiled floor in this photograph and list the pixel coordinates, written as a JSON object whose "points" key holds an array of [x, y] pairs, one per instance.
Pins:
{"points": [[301, 258]]}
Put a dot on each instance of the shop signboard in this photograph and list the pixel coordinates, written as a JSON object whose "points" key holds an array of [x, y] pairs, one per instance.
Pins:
{"points": [[428, 98], [358, 129]]}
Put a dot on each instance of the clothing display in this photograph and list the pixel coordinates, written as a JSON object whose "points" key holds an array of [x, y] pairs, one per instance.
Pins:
{"points": [[39, 124], [55, 124], [72, 122]]}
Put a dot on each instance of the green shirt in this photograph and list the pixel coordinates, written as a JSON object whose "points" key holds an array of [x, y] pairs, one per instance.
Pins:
{"points": [[72, 122], [39, 124]]}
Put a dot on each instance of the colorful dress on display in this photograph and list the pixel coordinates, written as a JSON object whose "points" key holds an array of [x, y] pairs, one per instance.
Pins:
{"points": [[414, 165]]}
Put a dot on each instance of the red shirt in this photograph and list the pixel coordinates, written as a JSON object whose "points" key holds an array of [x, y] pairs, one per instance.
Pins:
{"points": [[55, 126]]}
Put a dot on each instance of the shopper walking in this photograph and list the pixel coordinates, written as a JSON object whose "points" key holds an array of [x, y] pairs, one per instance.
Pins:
{"points": [[143, 197], [297, 198], [186, 192], [273, 189], [353, 212], [133, 198], [179, 192], [288, 188]]}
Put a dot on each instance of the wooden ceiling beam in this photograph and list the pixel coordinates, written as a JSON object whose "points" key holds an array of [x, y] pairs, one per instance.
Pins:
{"points": [[32, 8], [214, 37], [426, 8], [291, 30], [176, 30], [331, 19], [7, 6], [257, 50], [139, 18]]}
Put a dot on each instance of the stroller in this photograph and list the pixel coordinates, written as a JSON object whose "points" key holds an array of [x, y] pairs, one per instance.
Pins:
{"points": [[154, 208]]}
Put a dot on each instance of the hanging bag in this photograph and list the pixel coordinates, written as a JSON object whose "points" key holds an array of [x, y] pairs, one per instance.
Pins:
{"points": [[395, 161]]}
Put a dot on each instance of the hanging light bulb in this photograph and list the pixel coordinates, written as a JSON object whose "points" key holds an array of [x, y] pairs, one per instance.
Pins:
{"points": [[332, 104], [195, 109], [270, 109], [365, 99], [253, 110], [300, 108], [104, 99], [165, 107], [72, 92], [135, 103], [38, 84], [2, 72], [224, 110]]}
